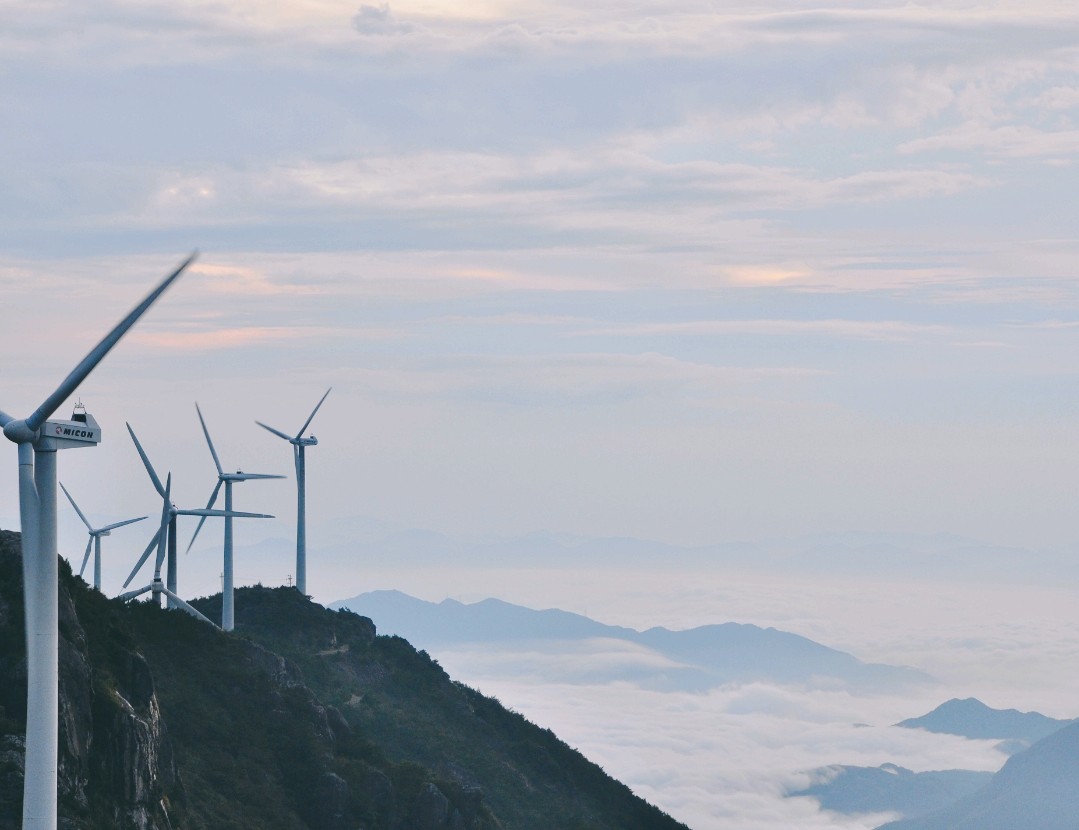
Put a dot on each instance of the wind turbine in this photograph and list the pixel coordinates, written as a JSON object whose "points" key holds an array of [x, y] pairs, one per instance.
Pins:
{"points": [[171, 579], [95, 538], [39, 439], [299, 443], [228, 479], [157, 587]]}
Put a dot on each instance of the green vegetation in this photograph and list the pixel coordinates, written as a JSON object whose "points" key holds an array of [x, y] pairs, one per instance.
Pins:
{"points": [[301, 718]]}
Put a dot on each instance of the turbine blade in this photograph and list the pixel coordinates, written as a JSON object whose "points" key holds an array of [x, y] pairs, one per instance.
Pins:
{"points": [[132, 594], [86, 556], [79, 373], [276, 432], [213, 495], [311, 417], [146, 462], [236, 514], [5, 419], [194, 612], [296, 461], [115, 525], [142, 559], [202, 521], [209, 504], [252, 476], [163, 531], [206, 432], [85, 521]]}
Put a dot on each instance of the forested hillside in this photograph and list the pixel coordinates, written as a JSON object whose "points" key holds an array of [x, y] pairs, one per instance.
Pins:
{"points": [[301, 718]]}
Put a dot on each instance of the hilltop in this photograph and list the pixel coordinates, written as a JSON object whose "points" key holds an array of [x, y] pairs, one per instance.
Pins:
{"points": [[970, 718], [301, 718]]}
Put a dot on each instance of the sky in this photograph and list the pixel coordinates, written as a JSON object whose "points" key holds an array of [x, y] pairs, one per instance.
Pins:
{"points": [[697, 273], [689, 272]]}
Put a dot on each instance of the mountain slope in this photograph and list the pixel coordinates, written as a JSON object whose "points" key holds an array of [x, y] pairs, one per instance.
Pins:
{"points": [[890, 789], [695, 659], [1035, 790], [302, 718]]}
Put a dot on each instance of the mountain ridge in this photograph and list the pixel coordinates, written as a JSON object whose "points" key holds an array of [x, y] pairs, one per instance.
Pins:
{"points": [[1035, 790], [696, 658]]}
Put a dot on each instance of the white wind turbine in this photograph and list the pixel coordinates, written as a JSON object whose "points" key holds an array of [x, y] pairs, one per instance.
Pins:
{"points": [[95, 538], [39, 439], [228, 479], [174, 511], [299, 443], [157, 587]]}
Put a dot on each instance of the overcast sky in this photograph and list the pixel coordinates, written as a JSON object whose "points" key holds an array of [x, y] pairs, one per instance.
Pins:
{"points": [[693, 272]]}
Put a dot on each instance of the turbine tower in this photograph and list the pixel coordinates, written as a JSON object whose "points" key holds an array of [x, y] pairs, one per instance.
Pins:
{"points": [[171, 577], [39, 439], [228, 479], [157, 587], [95, 538], [299, 443]]}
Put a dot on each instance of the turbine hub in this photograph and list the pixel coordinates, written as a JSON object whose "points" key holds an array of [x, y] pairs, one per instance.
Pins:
{"points": [[20, 433]]}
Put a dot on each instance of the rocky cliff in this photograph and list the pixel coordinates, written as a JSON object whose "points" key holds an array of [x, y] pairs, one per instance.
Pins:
{"points": [[116, 766]]}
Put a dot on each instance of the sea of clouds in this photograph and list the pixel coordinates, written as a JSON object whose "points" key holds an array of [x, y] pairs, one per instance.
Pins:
{"points": [[724, 759]]}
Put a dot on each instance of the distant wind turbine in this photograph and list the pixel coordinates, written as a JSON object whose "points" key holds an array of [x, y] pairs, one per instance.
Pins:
{"points": [[95, 538], [228, 479], [299, 443], [174, 511], [157, 587], [39, 439]]}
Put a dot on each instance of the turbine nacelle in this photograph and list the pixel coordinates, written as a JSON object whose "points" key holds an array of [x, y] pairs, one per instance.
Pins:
{"points": [[66, 435]]}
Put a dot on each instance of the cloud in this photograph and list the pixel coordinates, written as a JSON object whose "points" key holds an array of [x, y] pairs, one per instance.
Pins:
{"points": [[218, 339], [378, 20], [1009, 141], [584, 379], [724, 760], [881, 330], [246, 281]]}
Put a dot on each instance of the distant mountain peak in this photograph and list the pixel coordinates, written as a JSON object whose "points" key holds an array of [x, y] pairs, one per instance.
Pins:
{"points": [[970, 718]]}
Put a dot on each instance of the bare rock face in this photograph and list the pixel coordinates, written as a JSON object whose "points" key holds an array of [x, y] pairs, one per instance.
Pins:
{"points": [[431, 809], [332, 799], [133, 751], [115, 761], [76, 703]]}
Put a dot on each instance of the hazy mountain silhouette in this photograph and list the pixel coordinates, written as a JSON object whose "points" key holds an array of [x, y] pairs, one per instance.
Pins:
{"points": [[890, 789], [1036, 790], [971, 718], [694, 659]]}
